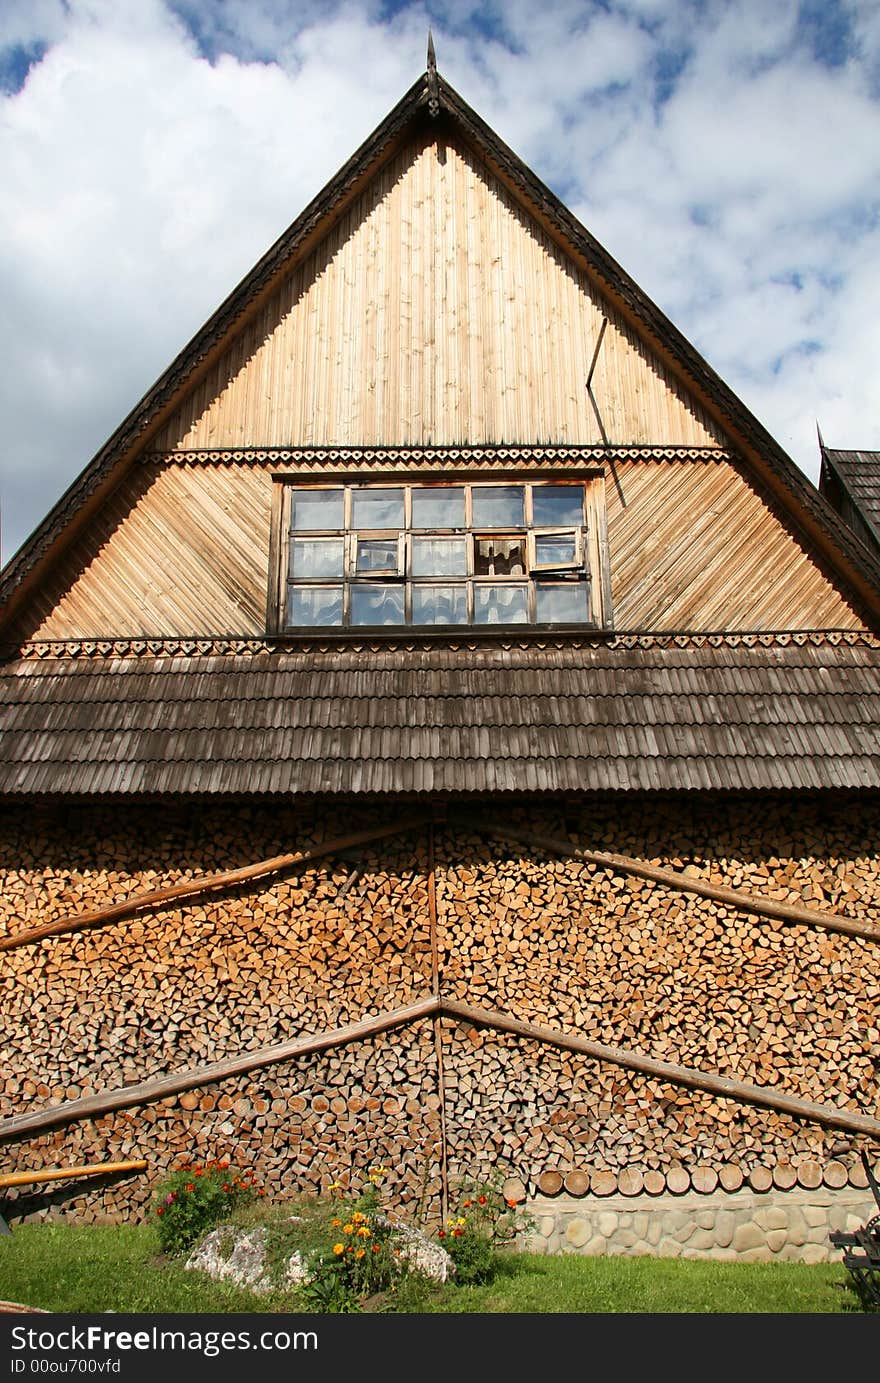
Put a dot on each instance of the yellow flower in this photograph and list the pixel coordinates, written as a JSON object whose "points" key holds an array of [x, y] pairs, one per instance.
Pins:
{"points": [[348, 1229], [461, 1220], [363, 1232], [338, 1248]]}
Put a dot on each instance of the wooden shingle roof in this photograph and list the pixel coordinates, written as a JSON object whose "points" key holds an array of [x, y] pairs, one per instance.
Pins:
{"points": [[850, 480], [730, 713]]}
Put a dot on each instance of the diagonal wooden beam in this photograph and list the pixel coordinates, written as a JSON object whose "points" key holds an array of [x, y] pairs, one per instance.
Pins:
{"points": [[685, 883], [741, 1091], [146, 1092], [155, 899], [432, 1006]]}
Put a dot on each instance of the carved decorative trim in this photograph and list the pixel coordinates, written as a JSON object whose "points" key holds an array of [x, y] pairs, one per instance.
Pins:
{"points": [[336, 459], [226, 646]]}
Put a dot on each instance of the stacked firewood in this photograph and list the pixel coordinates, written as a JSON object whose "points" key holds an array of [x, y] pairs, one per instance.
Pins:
{"points": [[572, 945]]}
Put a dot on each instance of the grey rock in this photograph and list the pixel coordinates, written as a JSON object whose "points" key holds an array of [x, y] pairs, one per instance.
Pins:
{"points": [[239, 1256]]}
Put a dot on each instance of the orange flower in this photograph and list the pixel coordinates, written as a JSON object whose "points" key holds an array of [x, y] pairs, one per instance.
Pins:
{"points": [[510, 1203], [189, 1186], [360, 1253], [481, 1200]]}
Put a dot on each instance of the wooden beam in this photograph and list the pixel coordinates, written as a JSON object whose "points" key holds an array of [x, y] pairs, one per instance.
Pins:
{"points": [[146, 1092], [155, 899], [431, 1006], [685, 883], [63, 1173], [745, 1093]]}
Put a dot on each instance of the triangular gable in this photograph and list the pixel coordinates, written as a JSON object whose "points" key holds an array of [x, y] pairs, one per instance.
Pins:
{"points": [[182, 406]]}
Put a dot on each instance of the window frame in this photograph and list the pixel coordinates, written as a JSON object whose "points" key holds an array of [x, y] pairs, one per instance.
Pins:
{"points": [[590, 567]]}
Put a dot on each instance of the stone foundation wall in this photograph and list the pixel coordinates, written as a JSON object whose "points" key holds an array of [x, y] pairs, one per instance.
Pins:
{"points": [[581, 949], [790, 1225]]}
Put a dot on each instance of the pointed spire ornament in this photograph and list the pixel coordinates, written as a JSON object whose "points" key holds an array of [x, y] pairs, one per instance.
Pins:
{"points": [[433, 87]]}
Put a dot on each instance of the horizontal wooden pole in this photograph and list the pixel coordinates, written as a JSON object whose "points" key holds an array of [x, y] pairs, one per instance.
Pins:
{"points": [[433, 1006], [684, 883], [91, 1106], [741, 1091], [62, 1173], [155, 899]]}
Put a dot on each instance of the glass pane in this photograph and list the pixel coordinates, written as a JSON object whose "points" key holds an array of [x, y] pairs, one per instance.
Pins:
{"points": [[377, 605], [377, 554], [500, 605], [500, 556], [314, 605], [440, 506], [438, 557], [317, 557], [377, 509], [439, 605], [563, 602], [554, 506], [555, 549], [498, 506], [317, 509]]}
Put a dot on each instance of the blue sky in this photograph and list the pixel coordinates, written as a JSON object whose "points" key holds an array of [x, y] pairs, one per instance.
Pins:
{"points": [[725, 152]]}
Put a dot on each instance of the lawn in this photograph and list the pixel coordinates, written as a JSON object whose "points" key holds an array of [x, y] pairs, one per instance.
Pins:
{"points": [[121, 1268]]}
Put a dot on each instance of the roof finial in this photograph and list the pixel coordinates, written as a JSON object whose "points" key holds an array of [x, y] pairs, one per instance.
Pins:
{"points": [[433, 88], [819, 435]]}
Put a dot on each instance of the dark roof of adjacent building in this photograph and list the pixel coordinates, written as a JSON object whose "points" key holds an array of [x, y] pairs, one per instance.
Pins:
{"points": [[794, 712], [850, 481]]}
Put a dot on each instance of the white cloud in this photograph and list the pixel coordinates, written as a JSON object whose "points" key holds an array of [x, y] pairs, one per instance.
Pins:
{"points": [[157, 149]]}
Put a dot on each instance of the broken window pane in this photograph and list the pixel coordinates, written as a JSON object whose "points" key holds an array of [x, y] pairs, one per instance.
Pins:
{"points": [[441, 506], [556, 506], [502, 556], [311, 509], [377, 604], [500, 605], [438, 557], [311, 605], [562, 602], [439, 605], [377, 509], [498, 506], [317, 557]]}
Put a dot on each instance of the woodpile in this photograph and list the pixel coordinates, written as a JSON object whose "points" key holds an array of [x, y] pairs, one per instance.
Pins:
{"points": [[551, 941]]}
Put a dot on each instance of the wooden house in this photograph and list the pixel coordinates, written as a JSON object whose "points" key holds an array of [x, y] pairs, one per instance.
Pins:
{"points": [[440, 729]]}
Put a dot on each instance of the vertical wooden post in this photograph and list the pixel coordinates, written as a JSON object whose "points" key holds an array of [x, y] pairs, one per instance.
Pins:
{"points": [[438, 1037]]}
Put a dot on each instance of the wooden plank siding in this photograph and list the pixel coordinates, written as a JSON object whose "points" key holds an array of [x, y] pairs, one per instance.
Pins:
{"points": [[694, 546], [434, 313], [184, 550]]}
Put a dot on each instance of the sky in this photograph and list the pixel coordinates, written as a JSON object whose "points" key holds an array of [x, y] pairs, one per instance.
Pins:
{"points": [[725, 152]]}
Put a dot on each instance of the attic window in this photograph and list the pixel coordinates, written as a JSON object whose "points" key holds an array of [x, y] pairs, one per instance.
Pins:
{"points": [[492, 553]]}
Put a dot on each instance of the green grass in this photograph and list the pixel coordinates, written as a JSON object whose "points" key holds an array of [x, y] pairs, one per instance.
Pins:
{"points": [[90, 1269]]}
